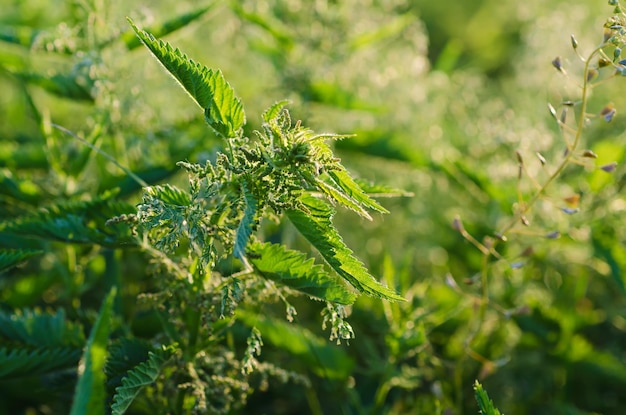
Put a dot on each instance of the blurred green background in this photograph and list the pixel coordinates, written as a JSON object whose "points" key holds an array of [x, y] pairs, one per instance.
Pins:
{"points": [[440, 95]]}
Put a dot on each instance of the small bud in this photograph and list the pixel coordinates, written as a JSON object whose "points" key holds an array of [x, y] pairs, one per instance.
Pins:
{"points": [[458, 225], [569, 103], [591, 74], [450, 282], [488, 242], [608, 112], [520, 171], [528, 252], [570, 211], [609, 168], [552, 110], [574, 42], [500, 237], [616, 54], [541, 158], [590, 154], [524, 221], [603, 62], [558, 64], [613, 2], [517, 265], [553, 235], [572, 200], [563, 115], [622, 62], [520, 160]]}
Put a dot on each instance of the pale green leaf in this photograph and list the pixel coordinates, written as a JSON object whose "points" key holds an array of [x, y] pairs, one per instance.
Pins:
{"points": [[295, 270], [378, 190], [316, 226], [169, 194], [354, 191], [222, 109], [272, 112], [89, 397], [341, 198], [137, 378], [167, 27]]}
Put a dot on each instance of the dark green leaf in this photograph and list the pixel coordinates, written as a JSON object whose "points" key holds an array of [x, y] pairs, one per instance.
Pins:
{"points": [[136, 379], [11, 258], [316, 226], [246, 226], [484, 403], [295, 270]]}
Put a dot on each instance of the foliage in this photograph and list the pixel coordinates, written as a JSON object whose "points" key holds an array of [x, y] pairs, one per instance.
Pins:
{"points": [[505, 266]]}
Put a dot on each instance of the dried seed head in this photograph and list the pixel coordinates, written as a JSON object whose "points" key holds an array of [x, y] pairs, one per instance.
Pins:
{"points": [[529, 251], [520, 160], [609, 168], [524, 221]]}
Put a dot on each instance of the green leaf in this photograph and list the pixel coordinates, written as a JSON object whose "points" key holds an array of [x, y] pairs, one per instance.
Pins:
{"points": [[295, 270], [10, 258], [354, 191], [89, 397], [272, 112], [484, 403], [167, 27], [341, 198], [75, 222], [316, 226], [37, 329], [378, 190], [62, 85], [137, 378], [246, 226], [169, 194], [324, 359], [223, 111]]}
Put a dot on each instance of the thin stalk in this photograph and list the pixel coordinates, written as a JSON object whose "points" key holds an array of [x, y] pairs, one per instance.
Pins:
{"points": [[568, 157]]}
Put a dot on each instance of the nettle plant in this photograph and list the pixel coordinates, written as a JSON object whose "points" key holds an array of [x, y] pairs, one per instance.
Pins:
{"points": [[211, 264]]}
